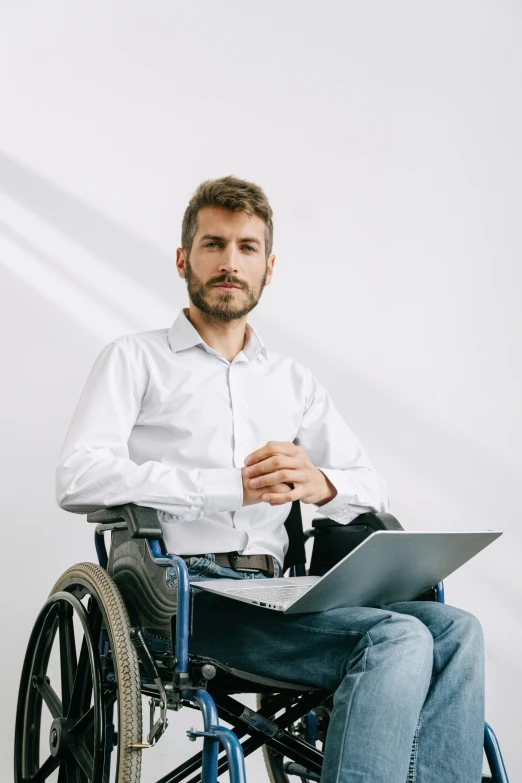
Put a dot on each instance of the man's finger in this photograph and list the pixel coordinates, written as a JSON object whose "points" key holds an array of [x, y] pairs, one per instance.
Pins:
{"points": [[271, 464], [271, 448], [278, 498], [285, 476]]}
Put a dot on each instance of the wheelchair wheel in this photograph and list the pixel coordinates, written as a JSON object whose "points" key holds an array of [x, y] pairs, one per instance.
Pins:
{"points": [[276, 763], [68, 702]]}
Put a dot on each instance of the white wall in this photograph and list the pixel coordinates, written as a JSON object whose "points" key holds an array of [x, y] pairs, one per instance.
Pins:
{"points": [[387, 136]]}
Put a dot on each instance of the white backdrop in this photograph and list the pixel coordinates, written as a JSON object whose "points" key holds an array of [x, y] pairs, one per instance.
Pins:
{"points": [[387, 136]]}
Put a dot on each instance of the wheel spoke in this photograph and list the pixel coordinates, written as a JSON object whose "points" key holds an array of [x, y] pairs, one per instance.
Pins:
{"points": [[86, 722], [81, 690], [47, 768], [95, 616], [85, 761], [49, 695], [68, 661], [70, 772]]}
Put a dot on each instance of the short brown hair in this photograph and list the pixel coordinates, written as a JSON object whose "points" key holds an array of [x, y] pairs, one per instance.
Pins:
{"points": [[228, 193]]}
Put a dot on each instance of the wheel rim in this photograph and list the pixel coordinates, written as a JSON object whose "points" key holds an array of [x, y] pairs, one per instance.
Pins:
{"points": [[76, 742]]}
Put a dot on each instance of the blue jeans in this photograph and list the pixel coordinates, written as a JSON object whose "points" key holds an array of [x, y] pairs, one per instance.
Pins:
{"points": [[407, 675], [205, 568]]}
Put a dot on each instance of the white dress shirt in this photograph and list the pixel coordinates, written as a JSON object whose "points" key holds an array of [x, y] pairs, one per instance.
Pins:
{"points": [[166, 421]]}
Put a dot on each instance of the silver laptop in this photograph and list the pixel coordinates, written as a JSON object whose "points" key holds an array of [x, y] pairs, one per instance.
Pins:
{"points": [[388, 566]]}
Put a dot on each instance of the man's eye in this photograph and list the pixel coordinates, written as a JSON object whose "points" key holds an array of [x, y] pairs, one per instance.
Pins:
{"points": [[217, 244]]}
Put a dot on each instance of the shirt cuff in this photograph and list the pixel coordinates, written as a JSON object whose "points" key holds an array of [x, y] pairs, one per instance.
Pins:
{"points": [[340, 501], [223, 488], [346, 505]]}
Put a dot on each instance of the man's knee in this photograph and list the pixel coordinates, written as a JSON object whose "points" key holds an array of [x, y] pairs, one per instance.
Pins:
{"points": [[455, 631], [444, 618], [441, 619], [466, 630], [408, 634], [468, 624]]}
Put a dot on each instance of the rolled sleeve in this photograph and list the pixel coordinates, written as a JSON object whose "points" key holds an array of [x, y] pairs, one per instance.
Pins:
{"points": [[223, 489]]}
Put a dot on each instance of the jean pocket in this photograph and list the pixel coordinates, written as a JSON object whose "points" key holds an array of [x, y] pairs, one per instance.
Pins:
{"points": [[194, 562], [198, 567], [202, 567]]}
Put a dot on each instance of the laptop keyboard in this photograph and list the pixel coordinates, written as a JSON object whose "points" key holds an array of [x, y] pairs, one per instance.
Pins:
{"points": [[282, 595]]}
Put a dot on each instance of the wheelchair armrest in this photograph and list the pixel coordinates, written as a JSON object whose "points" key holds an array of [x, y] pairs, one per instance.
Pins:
{"points": [[333, 541], [141, 521], [375, 520]]}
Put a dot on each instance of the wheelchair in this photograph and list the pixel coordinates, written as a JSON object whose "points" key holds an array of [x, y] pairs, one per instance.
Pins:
{"points": [[104, 639]]}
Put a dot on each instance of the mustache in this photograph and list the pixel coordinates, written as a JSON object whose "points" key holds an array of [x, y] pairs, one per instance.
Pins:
{"points": [[227, 282]]}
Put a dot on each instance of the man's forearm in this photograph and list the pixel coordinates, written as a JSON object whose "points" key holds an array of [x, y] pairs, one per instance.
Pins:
{"points": [[91, 478], [330, 492]]}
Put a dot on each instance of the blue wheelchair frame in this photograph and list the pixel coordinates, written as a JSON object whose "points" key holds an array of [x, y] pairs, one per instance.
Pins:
{"points": [[213, 733]]}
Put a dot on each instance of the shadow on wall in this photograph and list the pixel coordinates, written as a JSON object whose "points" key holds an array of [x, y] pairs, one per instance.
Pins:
{"points": [[107, 285], [86, 226]]}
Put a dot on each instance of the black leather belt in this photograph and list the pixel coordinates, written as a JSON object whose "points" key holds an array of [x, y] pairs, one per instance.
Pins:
{"points": [[263, 564]]}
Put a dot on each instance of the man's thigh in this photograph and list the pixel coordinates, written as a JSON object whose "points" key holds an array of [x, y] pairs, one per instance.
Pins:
{"points": [[308, 648], [452, 629], [439, 618]]}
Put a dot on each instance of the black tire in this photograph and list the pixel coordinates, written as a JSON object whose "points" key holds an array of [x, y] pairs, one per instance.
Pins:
{"points": [[102, 680], [275, 762], [274, 766]]}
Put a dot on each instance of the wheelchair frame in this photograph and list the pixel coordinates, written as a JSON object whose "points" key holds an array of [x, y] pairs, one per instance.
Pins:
{"points": [[178, 680]]}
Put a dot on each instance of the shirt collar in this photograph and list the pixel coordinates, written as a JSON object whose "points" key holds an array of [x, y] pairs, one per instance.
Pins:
{"points": [[182, 334]]}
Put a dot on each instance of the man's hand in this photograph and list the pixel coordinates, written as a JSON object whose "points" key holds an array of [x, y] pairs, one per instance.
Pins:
{"points": [[252, 496], [280, 462]]}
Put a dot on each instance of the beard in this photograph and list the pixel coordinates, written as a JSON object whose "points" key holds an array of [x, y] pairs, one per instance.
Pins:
{"points": [[221, 305]]}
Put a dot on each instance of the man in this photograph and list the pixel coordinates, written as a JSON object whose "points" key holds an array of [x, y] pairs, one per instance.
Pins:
{"points": [[220, 435]]}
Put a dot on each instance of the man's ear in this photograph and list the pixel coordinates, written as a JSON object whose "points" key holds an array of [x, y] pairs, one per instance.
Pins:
{"points": [[181, 259], [270, 264]]}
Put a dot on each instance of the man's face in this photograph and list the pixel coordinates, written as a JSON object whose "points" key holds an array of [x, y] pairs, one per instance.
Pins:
{"points": [[229, 247]]}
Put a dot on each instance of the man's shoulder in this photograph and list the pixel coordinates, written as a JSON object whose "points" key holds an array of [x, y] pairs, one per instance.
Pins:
{"points": [[151, 337], [296, 371], [143, 343]]}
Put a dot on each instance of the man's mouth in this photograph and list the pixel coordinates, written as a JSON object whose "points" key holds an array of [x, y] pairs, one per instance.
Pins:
{"points": [[229, 286]]}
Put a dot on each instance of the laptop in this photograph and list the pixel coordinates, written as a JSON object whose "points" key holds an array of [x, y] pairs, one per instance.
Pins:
{"points": [[388, 566]]}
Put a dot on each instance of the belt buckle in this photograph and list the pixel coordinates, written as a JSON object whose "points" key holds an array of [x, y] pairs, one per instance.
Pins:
{"points": [[269, 570], [232, 559], [245, 570]]}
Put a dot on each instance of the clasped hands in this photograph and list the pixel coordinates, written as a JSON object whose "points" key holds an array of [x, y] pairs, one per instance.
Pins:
{"points": [[282, 472]]}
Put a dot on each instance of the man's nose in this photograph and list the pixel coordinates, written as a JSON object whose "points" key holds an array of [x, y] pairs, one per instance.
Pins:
{"points": [[229, 261]]}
